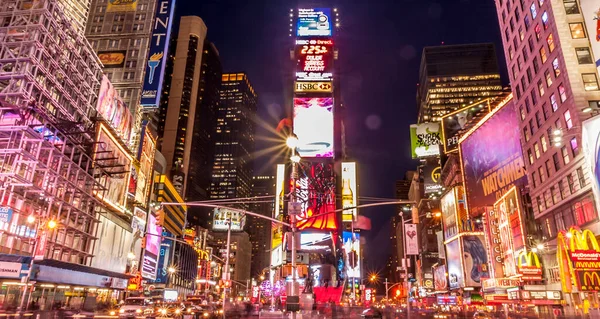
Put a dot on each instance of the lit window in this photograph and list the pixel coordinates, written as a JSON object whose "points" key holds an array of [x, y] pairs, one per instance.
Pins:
{"points": [[553, 102], [577, 30], [521, 33], [583, 55], [538, 31], [533, 10], [530, 155], [590, 81], [522, 111], [541, 88], [544, 142], [574, 146], [545, 19], [571, 7], [542, 174], [565, 155], [543, 54], [562, 92], [568, 119], [526, 134], [548, 78], [550, 41], [556, 67], [536, 149], [541, 2]]}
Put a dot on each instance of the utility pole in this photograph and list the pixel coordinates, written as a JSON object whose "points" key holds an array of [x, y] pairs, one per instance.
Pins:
{"points": [[226, 275], [294, 202]]}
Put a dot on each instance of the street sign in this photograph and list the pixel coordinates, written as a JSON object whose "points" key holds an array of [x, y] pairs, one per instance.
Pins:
{"points": [[293, 303], [294, 208]]}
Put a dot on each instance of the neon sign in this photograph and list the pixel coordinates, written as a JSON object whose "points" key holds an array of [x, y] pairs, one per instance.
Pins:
{"points": [[314, 59]]}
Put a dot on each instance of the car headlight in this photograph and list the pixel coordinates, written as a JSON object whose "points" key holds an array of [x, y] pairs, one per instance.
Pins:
{"points": [[177, 311], [112, 313], [206, 314], [121, 310], [189, 309], [138, 311], [163, 311]]}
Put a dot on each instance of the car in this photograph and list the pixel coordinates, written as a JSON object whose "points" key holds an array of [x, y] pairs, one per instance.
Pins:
{"points": [[133, 307], [371, 313], [482, 315]]}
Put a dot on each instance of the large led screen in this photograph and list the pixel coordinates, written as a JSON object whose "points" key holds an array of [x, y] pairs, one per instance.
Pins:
{"points": [[458, 122], [349, 190], [425, 139], [448, 205], [591, 150], [150, 262], [591, 14], [313, 125], [112, 108], [453, 260], [475, 259], [315, 190], [490, 172], [315, 58], [115, 164], [314, 22], [315, 241], [352, 253]]}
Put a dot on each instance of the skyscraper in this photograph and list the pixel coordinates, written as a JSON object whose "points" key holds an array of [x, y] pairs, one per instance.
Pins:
{"points": [[549, 54], [260, 229], [234, 138], [183, 99], [78, 11], [453, 76]]}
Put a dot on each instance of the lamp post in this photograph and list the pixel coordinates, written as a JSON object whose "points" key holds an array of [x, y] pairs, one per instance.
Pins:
{"points": [[292, 142], [226, 275], [50, 224]]}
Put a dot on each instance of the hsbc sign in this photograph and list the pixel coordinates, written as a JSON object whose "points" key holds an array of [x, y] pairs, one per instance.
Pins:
{"points": [[322, 87]]}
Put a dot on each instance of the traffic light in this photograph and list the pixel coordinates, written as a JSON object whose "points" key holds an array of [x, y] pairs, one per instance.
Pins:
{"points": [[160, 217], [397, 292], [227, 283], [144, 241]]}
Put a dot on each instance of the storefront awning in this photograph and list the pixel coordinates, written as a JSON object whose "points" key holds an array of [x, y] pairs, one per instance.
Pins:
{"points": [[54, 271]]}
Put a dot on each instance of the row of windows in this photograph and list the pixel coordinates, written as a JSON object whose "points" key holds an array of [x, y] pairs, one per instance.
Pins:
{"points": [[117, 28], [576, 214]]}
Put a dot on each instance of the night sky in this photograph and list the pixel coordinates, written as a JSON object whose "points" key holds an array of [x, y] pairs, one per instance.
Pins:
{"points": [[380, 45]]}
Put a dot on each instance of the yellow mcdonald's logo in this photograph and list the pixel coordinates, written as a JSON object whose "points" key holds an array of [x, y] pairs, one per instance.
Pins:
{"points": [[528, 259], [583, 240], [591, 281]]}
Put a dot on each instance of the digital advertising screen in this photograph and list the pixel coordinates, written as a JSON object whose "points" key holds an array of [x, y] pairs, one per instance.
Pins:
{"points": [[157, 53], [489, 174], [511, 231], [112, 108], [431, 177], [150, 262], [453, 260], [313, 125], [315, 61], [448, 205], [591, 14], [352, 253], [349, 190], [222, 216], [314, 22], [475, 259], [315, 241], [439, 278], [116, 163], [591, 151], [315, 190], [425, 139]]}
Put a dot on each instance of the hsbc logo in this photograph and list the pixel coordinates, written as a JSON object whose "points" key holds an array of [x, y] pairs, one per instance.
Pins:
{"points": [[325, 87]]}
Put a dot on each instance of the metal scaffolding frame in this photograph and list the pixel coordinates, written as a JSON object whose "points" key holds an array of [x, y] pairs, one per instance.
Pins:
{"points": [[49, 77]]}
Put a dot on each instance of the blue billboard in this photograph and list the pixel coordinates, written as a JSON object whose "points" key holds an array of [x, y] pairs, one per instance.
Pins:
{"points": [[157, 53], [314, 22], [352, 253], [164, 258]]}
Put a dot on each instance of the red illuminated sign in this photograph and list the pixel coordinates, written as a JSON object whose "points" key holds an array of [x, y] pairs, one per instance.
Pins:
{"points": [[314, 59]]}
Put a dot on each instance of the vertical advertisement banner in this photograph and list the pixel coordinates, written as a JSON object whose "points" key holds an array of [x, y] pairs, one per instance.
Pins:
{"points": [[510, 229], [349, 191], [591, 151], [316, 191], [425, 139], [412, 242], [146, 160], [591, 14], [352, 253], [454, 262], [157, 54], [475, 260], [492, 235], [151, 253], [439, 278], [440, 239], [313, 124], [488, 175], [277, 229], [112, 108], [431, 177], [448, 203]]}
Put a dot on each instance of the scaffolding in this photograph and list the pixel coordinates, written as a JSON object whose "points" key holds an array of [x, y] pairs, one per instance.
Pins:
{"points": [[48, 85]]}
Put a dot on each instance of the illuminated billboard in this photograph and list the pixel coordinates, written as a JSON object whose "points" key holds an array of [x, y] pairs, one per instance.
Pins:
{"points": [[352, 253], [591, 14], [591, 151], [115, 164], [277, 229], [151, 253], [314, 22], [439, 278], [458, 122], [315, 59], [146, 159], [313, 125], [349, 190], [221, 217], [121, 5], [456, 276], [511, 230], [425, 139], [112, 59], [448, 205], [315, 241], [315, 190], [431, 177], [313, 87], [138, 221], [489, 174], [112, 108], [475, 260], [494, 243], [157, 53]]}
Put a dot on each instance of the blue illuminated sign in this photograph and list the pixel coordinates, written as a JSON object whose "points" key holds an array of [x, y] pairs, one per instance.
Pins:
{"points": [[164, 258], [314, 22], [157, 53]]}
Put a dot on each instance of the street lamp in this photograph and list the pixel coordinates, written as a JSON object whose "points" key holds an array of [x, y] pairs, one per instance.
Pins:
{"points": [[292, 143], [172, 270]]}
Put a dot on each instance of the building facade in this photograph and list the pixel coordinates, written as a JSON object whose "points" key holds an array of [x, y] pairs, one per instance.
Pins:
{"points": [[259, 229], [453, 76], [555, 86]]}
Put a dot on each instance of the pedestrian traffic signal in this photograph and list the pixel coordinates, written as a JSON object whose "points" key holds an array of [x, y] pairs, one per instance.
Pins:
{"points": [[227, 283], [144, 241], [160, 217]]}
